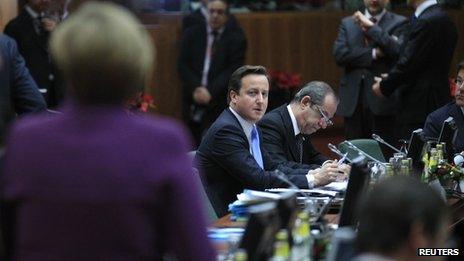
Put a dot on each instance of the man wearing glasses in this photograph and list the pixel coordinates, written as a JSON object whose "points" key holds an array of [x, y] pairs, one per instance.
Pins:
{"points": [[454, 109], [209, 54], [286, 129]]}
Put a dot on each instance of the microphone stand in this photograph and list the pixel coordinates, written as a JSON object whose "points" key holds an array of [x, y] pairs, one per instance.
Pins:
{"points": [[334, 149], [379, 139]]}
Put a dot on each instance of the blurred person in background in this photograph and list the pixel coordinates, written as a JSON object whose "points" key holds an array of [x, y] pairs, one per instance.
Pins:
{"points": [[31, 30], [209, 54], [368, 45], [399, 216], [421, 73], [98, 182], [19, 93], [455, 109]]}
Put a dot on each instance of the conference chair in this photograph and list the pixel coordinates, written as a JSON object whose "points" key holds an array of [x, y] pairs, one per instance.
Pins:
{"points": [[368, 146], [207, 206]]}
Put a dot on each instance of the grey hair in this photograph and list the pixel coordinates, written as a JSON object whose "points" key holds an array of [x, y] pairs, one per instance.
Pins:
{"points": [[317, 90]]}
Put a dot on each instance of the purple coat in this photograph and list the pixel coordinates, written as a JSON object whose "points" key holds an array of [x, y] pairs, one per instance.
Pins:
{"points": [[95, 183]]}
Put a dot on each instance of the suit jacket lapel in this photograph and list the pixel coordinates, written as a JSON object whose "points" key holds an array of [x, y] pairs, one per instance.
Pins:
{"points": [[41, 41], [289, 132]]}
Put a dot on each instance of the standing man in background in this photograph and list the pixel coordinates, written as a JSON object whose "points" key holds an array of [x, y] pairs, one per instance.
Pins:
{"points": [[209, 55], [201, 16], [31, 29], [421, 72], [18, 91], [368, 45]]}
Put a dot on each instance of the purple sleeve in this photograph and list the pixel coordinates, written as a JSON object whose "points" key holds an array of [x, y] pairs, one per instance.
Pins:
{"points": [[184, 211]]}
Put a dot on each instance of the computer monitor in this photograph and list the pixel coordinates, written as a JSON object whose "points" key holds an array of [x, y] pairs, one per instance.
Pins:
{"points": [[343, 245], [260, 231], [448, 134], [415, 149], [357, 183], [287, 207]]}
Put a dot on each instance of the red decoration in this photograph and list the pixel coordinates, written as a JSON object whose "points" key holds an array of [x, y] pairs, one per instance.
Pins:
{"points": [[142, 102], [285, 81]]}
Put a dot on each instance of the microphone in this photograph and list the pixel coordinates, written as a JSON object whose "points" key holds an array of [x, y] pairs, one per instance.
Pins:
{"points": [[282, 177], [352, 146], [379, 139], [334, 149], [458, 160]]}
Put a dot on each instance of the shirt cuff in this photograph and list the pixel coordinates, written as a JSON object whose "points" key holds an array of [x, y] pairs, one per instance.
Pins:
{"points": [[310, 178]]}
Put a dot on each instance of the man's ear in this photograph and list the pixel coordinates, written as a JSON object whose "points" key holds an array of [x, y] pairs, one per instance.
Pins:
{"points": [[305, 102], [417, 236], [233, 96]]}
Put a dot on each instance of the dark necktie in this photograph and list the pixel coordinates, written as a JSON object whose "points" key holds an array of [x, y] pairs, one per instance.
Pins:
{"points": [[215, 41], [38, 25], [413, 19], [299, 145]]}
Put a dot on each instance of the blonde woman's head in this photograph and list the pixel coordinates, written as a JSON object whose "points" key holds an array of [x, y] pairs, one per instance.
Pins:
{"points": [[104, 53]]}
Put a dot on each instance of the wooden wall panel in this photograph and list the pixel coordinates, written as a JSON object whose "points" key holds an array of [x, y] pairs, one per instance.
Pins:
{"points": [[298, 42], [165, 87], [8, 10]]}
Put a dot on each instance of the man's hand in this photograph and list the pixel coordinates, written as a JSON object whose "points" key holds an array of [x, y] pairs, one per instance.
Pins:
{"points": [[326, 174], [378, 52], [201, 95], [362, 20], [344, 170], [376, 87], [49, 23]]}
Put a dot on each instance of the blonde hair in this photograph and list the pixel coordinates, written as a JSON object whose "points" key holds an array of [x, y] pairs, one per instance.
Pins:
{"points": [[103, 52]]}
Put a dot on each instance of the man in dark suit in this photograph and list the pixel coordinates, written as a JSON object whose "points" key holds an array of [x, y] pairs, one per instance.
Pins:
{"points": [[421, 72], [231, 156], [286, 129], [454, 109], [18, 92], [367, 45], [31, 29], [201, 15], [209, 54]]}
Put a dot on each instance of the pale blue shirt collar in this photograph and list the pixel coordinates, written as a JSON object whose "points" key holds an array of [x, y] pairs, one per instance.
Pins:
{"points": [[377, 17], [246, 125], [420, 9], [296, 129]]}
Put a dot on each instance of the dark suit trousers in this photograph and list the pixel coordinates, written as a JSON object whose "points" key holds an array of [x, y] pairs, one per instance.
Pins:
{"points": [[363, 123]]}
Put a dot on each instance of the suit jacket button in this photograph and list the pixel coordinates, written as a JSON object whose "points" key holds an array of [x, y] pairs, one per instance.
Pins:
{"points": [[51, 77]]}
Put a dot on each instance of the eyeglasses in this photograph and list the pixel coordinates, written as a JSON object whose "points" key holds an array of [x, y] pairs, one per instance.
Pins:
{"points": [[324, 116]]}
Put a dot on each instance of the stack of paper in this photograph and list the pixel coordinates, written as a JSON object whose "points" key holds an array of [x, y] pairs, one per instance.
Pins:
{"points": [[247, 198]]}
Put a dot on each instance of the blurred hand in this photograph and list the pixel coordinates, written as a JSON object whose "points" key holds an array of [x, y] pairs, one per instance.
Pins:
{"points": [[376, 87], [201, 95], [49, 23], [378, 52], [362, 20]]}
